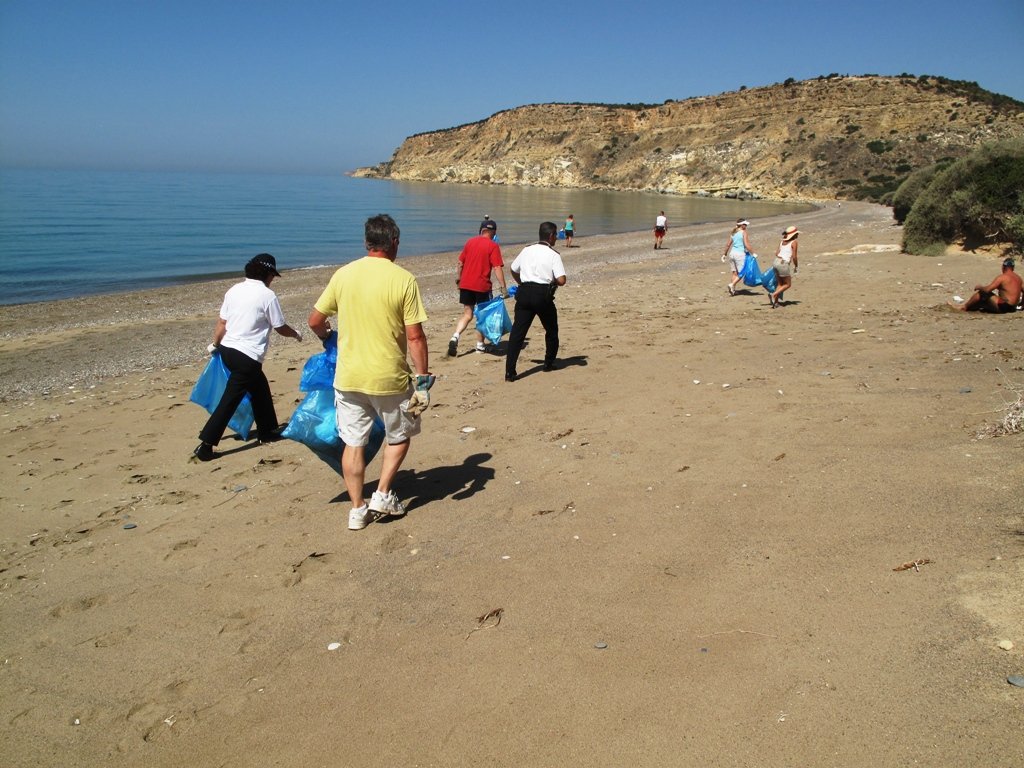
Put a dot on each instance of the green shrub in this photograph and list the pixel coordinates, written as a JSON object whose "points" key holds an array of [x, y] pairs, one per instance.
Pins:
{"points": [[977, 199], [878, 146], [907, 192]]}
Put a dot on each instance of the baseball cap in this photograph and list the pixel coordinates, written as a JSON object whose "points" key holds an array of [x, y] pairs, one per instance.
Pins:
{"points": [[488, 225], [1008, 263]]}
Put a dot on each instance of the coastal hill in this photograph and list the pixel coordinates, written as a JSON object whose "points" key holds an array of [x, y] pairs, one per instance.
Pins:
{"points": [[847, 137]]}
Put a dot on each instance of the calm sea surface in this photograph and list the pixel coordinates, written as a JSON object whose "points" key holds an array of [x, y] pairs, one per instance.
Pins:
{"points": [[76, 233]]}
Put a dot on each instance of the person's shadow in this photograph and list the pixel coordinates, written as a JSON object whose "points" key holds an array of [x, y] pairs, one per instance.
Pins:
{"points": [[560, 363], [458, 482]]}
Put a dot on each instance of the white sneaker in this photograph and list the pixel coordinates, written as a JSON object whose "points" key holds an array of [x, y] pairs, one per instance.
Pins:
{"points": [[480, 347], [385, 504], [359, 518]]}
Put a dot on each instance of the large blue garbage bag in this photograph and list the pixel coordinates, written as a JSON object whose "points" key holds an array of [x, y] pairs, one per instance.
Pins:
{"points": [[751, 272], [318, 372], [314, 423], [210, 388], [770, 280], [492, 319]]}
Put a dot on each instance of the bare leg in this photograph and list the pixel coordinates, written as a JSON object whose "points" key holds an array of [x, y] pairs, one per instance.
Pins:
{"points": [[784, 283], [394, 455], [353, 465], [465, 320], [734, 282]]}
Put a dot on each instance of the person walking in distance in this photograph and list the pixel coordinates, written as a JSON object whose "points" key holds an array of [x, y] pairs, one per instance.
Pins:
{"points": [[380, 324], [660, 228], [570, 230], [242, 334], [736, 250], [479, 258], [785, 265], [539, 271]]}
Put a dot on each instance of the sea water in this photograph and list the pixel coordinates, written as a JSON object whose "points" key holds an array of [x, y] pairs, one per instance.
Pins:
{"points": [[76, 233]]}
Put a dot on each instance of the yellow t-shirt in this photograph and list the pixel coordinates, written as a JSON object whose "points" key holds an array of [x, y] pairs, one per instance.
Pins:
{"points": [[374, 300]]}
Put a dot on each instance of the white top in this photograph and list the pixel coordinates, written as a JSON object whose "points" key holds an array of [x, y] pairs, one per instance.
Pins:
{"points": [[661, 221], [538, 263], [250, 310], [786, 251]]}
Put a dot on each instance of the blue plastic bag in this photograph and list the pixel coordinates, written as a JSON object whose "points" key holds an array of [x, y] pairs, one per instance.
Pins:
{"points": [[314, 424], [751, 272], [210, 388], [318, 372], [770, 280], [492, 319]]}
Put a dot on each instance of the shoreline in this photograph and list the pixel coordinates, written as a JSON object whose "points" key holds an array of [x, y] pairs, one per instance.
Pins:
{"points": [[709, 496]]}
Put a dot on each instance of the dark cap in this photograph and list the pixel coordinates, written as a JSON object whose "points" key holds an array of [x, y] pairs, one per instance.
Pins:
{"points": [[268, 261], [488, 225], [1008, 263]]}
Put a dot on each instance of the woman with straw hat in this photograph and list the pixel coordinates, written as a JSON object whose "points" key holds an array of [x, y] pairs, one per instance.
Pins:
{"points": [[785, 264]]}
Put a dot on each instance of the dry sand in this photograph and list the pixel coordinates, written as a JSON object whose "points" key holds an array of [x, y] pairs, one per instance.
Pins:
{"points": [[716, 491]]}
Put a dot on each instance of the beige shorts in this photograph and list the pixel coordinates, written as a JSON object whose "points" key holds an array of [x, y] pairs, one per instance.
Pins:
{"points": [[355, 412], [784, 268], [738, 260]]}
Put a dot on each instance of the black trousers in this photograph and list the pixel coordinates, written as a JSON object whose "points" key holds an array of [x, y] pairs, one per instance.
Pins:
{"points": [[246, 377], [533, 300]]}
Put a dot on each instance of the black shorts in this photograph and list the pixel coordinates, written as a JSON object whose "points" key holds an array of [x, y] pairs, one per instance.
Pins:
{"points": [[469, 298]]}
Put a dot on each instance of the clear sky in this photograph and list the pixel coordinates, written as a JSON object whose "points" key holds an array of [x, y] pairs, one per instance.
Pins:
{"points": [[323, 87]]}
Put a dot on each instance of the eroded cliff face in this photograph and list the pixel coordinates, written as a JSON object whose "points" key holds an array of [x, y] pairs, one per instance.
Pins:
{"points": [[836, 137]]}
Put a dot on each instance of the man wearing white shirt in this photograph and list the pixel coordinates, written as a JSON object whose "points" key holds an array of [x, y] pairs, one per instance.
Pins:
{"points": [[538, 270]]}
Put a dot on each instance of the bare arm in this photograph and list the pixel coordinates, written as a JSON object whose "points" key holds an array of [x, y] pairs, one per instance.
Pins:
{"points": [[318, 323], [796, 263], [417, 341], [993, 286], [219, 330], [287, 330]]}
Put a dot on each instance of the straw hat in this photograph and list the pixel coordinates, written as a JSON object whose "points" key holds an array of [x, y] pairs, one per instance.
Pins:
{"points": [[790, 233]]}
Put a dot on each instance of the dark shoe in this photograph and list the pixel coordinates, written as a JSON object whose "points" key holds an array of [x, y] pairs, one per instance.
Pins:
{"points": [[273, 437], [453, 348], [204, 452], [511, 376], [549, 367]]}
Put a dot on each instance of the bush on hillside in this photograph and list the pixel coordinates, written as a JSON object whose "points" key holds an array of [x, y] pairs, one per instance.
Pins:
{"points": [[977, 199], [907, 192]]}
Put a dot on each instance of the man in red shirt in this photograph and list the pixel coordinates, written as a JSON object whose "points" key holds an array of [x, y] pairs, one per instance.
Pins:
{"points": [[479, 257]]}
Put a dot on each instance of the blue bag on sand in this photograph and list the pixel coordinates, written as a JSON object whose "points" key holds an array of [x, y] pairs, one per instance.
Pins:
{"points": [[210, 388], [318, 372], [751, 272], [770, 280], [492, 319]]}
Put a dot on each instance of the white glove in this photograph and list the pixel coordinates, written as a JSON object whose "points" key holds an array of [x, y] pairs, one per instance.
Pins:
{"points": [[298, 335], [418, 403], [212, 348]]}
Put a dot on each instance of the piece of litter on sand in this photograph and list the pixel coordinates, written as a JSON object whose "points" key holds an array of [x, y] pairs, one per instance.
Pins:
{"points": [[1017, 680], [129, 526], [600, 645], [696, 381], [958, 299], [965, 390], [467, 430], [333, 646], [936, 285], [859, 330]]}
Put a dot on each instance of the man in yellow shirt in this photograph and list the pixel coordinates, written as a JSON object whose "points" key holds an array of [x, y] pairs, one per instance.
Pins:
{"points": [[380, 324]]}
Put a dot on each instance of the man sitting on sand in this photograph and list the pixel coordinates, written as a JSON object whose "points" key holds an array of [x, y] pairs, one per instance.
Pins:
{"points": [[1000, 296]]}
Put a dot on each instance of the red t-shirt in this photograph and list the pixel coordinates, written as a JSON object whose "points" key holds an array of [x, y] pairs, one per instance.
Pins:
{"points": [[478, 256]]}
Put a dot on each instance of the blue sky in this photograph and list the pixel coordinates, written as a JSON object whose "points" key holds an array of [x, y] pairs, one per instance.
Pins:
{"points": [[323, 87]]}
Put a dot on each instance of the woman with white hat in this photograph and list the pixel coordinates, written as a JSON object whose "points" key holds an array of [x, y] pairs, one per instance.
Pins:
{"points": [[785, 264]]}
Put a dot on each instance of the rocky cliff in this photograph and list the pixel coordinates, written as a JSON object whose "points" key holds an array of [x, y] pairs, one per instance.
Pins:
{"points": [[832, 137]]}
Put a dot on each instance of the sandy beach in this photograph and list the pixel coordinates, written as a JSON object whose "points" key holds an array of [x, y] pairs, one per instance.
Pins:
{"points": [[679, 549]]}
